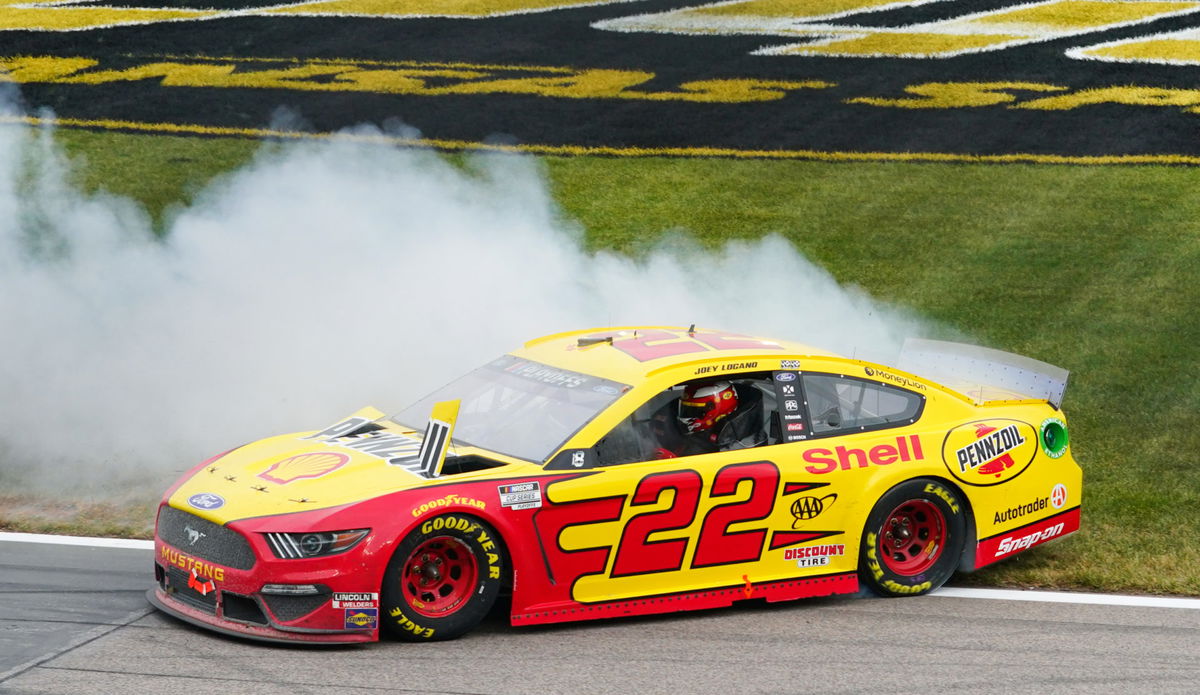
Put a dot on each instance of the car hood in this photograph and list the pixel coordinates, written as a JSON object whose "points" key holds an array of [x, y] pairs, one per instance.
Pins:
{"points": [[307, 471]]}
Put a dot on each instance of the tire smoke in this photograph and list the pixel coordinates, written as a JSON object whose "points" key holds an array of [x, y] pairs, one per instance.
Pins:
{"points": [[320, 278]]}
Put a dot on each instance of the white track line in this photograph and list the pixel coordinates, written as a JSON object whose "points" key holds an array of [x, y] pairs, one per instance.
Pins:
{"points": [[77, 540], [944, 592], [1068, 597]]}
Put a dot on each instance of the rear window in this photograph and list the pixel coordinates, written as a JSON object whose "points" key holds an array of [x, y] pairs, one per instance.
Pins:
{"points": [[841, 404]]}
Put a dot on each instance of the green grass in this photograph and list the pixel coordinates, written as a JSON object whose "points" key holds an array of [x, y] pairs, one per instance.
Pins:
{"points": [[1095, 269]]}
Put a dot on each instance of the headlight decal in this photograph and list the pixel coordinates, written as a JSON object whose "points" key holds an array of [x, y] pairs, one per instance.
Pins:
{"points": [[301, 546]]}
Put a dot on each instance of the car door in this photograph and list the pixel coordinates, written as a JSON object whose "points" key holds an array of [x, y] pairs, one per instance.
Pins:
{"points": [[649, 527]]}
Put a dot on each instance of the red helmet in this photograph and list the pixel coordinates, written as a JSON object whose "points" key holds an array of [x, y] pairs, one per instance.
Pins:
{"points": [[703, 406]]}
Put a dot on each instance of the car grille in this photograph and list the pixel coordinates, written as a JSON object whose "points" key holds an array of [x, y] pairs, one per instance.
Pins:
{"points": [[177, 585], [288, 608], [204, 539], [243, 608]]}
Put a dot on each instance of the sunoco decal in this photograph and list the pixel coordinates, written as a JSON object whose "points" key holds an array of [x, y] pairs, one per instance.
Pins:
{"points": [[361, 618], [989, 452]]}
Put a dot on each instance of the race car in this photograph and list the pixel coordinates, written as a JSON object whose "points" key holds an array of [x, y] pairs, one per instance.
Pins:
{"points": [[625, 471]]}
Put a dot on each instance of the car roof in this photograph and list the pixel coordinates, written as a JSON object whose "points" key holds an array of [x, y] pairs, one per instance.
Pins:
{"points": [[630, 354]]}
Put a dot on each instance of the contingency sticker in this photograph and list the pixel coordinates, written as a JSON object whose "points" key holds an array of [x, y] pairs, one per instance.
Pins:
{"points": [[360, 618], [355, 600], [521, 495]]}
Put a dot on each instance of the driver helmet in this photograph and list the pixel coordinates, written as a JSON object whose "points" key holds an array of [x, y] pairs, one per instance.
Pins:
{"points": [[702, 407]]}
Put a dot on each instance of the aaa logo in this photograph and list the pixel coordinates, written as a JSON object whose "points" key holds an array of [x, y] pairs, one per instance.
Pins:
{"points": [[807, 508]]}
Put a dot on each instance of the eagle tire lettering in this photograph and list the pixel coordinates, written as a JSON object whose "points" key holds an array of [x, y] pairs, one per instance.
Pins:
{"points": [[913, 539], [443, 579]]}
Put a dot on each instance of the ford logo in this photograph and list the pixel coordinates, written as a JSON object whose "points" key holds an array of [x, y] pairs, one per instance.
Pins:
{"points": [[206, 500], [785, 376]]}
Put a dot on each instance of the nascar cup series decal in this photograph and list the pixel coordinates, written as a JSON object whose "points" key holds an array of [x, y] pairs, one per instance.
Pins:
{"points": [[521, 495], [989, 452]]}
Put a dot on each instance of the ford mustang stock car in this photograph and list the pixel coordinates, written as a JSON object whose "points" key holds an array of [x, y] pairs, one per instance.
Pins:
{"points": [[625, 471]]}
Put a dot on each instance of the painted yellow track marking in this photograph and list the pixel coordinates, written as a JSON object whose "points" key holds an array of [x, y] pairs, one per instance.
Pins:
{"points": [[577, 150]]}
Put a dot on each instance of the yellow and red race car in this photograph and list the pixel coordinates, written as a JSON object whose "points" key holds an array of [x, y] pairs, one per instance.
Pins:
{"points": [[625, 471]]}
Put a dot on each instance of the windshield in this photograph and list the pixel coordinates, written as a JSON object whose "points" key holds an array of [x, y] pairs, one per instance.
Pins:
{"points": [[518, 407]]}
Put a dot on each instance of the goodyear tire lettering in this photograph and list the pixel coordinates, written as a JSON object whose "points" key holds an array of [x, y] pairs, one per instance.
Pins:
{"points": [[909, 575], [406, 624], [411, 614], [944, 494], [447, 523], [873, 556]]}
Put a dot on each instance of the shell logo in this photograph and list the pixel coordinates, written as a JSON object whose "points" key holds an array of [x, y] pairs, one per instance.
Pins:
{"points": [[988, 452], [303, 466]]}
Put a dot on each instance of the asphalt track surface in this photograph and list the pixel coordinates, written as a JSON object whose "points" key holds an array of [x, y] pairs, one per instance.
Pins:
{"points": [[74, 620]]}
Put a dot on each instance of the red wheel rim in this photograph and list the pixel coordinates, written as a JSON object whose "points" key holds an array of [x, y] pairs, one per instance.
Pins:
{"points": [[912, 538], [439, 576]]}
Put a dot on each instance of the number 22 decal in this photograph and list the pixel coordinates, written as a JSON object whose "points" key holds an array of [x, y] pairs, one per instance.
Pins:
{"points": [[715, 544]]}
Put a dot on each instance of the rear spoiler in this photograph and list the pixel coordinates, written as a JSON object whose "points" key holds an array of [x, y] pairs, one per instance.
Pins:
{"points": [[958, 365]]}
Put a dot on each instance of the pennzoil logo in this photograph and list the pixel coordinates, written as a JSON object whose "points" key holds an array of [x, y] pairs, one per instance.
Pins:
{"points": [[989, 451]]}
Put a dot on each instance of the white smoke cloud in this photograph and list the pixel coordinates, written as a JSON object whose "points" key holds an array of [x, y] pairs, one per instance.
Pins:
{"points": [[320, 278]]}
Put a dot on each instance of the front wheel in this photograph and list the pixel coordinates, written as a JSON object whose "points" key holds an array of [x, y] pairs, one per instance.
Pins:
{"points": [[443, 579], [913, 539]]}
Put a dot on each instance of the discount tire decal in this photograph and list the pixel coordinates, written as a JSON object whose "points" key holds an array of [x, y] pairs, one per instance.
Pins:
{"points": [[1089, 81]]}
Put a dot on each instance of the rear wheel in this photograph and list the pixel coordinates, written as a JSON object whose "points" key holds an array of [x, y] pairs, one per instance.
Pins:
{"points": [[913, 539], [443, 579]]}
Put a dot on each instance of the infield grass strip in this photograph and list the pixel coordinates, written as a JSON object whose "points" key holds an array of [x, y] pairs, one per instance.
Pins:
{"points": [[1094, 269]]}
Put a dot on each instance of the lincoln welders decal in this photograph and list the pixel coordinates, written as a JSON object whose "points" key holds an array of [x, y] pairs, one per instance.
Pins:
{"points": [[1092, 81]]}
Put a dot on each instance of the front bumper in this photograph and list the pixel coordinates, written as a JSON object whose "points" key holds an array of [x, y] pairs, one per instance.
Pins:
{"points": [[217, 583], [261, 633]]}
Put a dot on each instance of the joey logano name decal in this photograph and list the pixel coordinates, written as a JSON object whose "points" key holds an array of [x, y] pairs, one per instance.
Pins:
{"points": [[1047, 80]]}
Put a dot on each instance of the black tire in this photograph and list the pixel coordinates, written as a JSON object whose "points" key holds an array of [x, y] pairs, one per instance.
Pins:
{"points": [[443, 579], [913, 539]]}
